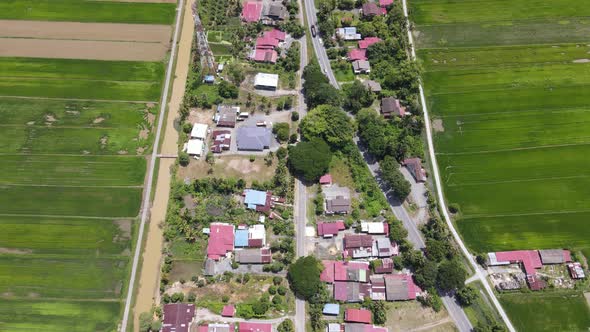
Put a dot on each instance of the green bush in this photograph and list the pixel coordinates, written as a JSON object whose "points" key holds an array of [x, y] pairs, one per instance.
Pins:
{"points": [[183, 158]]}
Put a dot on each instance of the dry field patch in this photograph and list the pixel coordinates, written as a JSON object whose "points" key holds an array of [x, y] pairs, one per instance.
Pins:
{"points": [[82, 49], [86, 31]]}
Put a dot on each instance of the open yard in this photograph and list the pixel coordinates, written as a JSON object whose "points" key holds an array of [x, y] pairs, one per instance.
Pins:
{"points": [[510, 82], [73, 139]]}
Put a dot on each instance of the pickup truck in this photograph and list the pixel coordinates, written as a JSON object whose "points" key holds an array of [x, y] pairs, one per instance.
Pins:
{"points": [[313, 32]]}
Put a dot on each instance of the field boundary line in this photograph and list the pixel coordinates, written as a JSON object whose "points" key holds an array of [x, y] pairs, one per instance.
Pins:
{"points": [[73, 155], [441, 199], [26, 78], [64, 216], [475, 216], [64, 186], [152, 166], [78, 99], [516, 181], [512, 149]]}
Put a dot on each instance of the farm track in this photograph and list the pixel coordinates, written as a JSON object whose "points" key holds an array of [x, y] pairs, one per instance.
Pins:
{"points": [[81, 99]]}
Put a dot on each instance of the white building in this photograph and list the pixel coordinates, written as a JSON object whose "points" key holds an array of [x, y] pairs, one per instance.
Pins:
{"points": [[199, 131], [266, 81], [348, 33], [372, 227], [194, 147]]}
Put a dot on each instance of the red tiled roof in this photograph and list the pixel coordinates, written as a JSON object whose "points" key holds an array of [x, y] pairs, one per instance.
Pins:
{"points": [[251, 11], [385, 3], [357, 54], [265, 55], [327, 274], [412, 288], [221, 240], [228, 311], [373, 328], [266, 42], [276, 34], [340, 291], [371, 8], [365, 43], [530, 259], [330, 228], [326, 179], [358, 241], [357, 316], [254, 327], [177, 317], [567, 256]]}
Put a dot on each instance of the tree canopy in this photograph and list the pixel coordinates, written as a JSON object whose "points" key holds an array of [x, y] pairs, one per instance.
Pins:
{"points": [[310, 159], [317, 88], [451, 275], [357, 96], [391, 174], [304, 277], [286, 326], [329, 123]]}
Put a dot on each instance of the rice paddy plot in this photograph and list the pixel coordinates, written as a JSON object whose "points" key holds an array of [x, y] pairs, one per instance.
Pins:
{"points": [[61, 236], [70, 201], [53, 316], [91, 171], [539, 231], [547, 311], [63, 277], [87, 11], [73, 113]]}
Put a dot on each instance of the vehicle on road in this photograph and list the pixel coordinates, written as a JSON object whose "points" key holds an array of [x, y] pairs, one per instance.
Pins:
{"points": [[313, 32]]}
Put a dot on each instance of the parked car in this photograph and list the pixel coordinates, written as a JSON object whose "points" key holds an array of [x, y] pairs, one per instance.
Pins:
{"points": [[313, 32]]}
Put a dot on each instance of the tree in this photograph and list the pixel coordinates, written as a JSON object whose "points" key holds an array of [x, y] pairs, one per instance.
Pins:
{"points": [[260, 308], [304, 277], [145, 321], [277, 300], [272, 290], [317, 87], [329, 123], [282, 290], [281, 129], [451, 275], [467, 295], [235, 72], [286, 326], [437, 250], [357, 96], [177, 297], [391, 174], [281, 153], [310, 159], [294, 116], [227, 90], [379, 311], [397, 231], [426, 274], [183, 159]]}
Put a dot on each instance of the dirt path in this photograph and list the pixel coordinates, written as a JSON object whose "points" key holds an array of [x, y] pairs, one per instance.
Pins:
{"points": [[148, 288], [206, 315], [432, 325]]}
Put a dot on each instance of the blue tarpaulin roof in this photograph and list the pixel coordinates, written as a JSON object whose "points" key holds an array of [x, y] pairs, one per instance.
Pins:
{"points": [[255, 197], [331, 309], [241, 238]]}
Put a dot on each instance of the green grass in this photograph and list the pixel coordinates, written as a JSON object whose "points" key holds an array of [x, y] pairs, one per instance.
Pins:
{"points": [[87, 11], [72, 170], [220, 49], [343, 74], [566, 311], [53, 316], [70, 201]]}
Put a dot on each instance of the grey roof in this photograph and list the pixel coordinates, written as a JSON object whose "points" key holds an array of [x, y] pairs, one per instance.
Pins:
{"points": [[277, 10], [354, 327], [372, 85], [552, 256], [396, 289], [339, 204], [253, 138], [361, 65], [383, 247], [253, 256], [210, 267]]}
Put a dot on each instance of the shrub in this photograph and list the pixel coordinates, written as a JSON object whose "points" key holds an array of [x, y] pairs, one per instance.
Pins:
{"points": [[294, 116], [277, 300], [225, 298], [277, 280], [187, 127], [252, 159], [272, 290], [454, 208], [282, 290], [183, 159], [192, 297], [467, 295]]}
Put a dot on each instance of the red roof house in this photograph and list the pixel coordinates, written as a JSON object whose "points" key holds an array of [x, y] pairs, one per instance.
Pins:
{"points": [[530, 259], [221, 240], [357, 316], [344, 271], [265, 55], [385, 3], [371, 9], [221, 140], [414, 166], [228, 311], [357, 54], [251, 11], [400, 287], [365, 43], [276, 34], [326, 179], [330, 229], [266, 42], [254, 327], [391, 106], [177, 317]]}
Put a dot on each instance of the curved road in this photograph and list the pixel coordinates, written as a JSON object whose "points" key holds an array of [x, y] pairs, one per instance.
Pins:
{"points": [[441, 199]]}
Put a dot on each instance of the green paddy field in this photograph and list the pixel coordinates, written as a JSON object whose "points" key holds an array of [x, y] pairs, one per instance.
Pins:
{"points": [[510, 82], [74, 135]]}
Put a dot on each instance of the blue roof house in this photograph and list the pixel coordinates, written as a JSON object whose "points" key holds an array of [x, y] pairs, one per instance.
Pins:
{"points": [[241, 238], [255, 198], [332, 309]]}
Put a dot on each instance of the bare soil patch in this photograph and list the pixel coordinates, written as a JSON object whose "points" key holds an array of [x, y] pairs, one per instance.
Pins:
{"points": [[587, 296], [98, 120], [581, 61], [437, 125], [412, 316], [144, 133], [82, 49], [200, 116], [12, 251], [152, 33]]}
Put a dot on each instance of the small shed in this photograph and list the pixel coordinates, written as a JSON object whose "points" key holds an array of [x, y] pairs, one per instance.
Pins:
{"points": [[228, 311], [326, 179], [209, 79], [357, 316], [194, 147], [331, 309], [199, 131]]}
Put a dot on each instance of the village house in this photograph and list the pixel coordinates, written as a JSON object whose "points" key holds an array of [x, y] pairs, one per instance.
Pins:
{"points": [[348, 33], [331, 309], [372, 86], [254, 256], [250, 237], [361, 67], [351, 291], [400, 287], [363, 246], [337, 205], [370, 9], [365, 43], [228, 311], [178, 317], [199, 131], [391, 106], [266, 45], [274, 13], [335, 271], [221, 240], [221, 141], [264, 81], [227, 115], [254, 327], [260, 201], [414, 166], [375, 228], [195, 147], [253, 138], [329, 229], [217, 327], [352, 315], [357, 54], [326, 180], [383, 266], [251, 11], [360, 327]]}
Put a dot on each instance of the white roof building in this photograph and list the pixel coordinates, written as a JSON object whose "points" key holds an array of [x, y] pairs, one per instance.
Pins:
{"points": [[372, 227], [257, 232], [348, 33], [266, 81], [194, 147], [199, 131]]}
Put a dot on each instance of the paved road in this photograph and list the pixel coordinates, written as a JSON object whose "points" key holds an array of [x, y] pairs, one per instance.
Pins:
{"points": [[300, 204], [147, 192], [320, 51], [441, 199]]}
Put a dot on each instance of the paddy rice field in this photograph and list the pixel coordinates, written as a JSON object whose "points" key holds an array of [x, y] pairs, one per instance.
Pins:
{"points": [[75, 130], [510, 81]]}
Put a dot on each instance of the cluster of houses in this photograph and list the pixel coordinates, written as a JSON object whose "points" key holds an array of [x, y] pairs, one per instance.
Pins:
{"points": [[266, 46], [196, 143], [531, 261], [358, 56], [355, 320], [180, 317], [371, 9], [246, 244], [268, 12]]}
